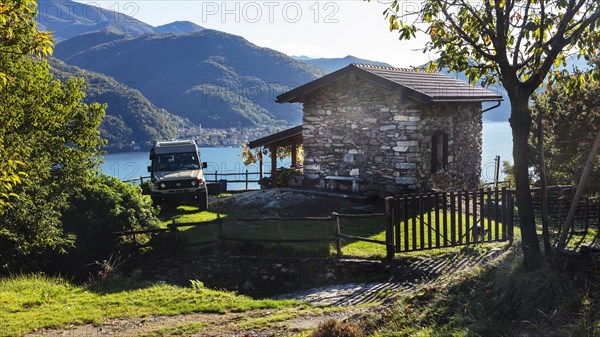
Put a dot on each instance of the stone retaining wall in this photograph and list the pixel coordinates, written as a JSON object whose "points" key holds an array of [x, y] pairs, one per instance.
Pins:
{"points": [[265, 276], [357, 124]]}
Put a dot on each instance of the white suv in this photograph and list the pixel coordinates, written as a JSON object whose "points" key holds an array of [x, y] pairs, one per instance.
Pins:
{"points": [[177, 173]]}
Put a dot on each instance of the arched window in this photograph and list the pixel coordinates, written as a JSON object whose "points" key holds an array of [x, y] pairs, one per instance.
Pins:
{"points": [[439, 152]]}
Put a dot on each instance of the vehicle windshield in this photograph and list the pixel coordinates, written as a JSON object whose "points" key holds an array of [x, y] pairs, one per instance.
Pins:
{"points": [[177, 162]]}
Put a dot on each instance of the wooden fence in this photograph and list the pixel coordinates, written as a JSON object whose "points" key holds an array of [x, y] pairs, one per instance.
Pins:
{"points": [[448, 219], [559, 199], [335, 238]]}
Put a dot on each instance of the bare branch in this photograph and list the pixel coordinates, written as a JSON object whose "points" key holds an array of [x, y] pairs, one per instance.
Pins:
{"points": [[467, 37], [520, 38]]}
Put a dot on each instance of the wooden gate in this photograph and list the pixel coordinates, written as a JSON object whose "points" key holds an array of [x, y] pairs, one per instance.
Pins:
{"points": [[448, 219]]}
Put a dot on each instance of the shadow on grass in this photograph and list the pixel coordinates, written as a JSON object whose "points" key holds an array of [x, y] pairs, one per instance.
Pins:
{"points": [[500, 300]]}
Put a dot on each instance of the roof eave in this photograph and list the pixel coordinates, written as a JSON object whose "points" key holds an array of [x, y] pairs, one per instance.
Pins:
{"points": [[468, 99], [283, 138]]}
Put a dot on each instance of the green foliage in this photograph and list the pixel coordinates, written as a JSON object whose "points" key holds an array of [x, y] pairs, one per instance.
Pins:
{"points": [[48, 142], [286, 176], [103, 206], [56, 137], [571, 121], [488, 38], [250, 156], [19, 38]]}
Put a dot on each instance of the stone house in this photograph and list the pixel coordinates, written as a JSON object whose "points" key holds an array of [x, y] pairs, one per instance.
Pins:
{"points": [[392, 129]]}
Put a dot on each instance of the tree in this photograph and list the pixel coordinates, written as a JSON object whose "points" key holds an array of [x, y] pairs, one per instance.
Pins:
{"points": [[571, 120], [49, 141], [515, 43], [18, 37]]}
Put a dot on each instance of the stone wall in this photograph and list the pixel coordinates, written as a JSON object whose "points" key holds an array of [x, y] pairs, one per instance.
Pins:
{"points": [[356, 124]]}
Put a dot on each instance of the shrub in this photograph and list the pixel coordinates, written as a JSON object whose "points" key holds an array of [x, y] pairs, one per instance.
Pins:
{"points": [[105, 206], [335, 328]]}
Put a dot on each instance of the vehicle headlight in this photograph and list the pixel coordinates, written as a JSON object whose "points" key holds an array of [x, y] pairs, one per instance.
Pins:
{"points": [[163, 185], [194, 183]]}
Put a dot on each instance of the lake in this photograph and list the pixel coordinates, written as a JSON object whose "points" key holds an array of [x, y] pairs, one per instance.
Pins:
{"points": [[497, 140]]}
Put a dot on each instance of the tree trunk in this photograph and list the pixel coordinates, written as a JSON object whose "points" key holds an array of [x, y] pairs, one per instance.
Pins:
{"points": [[543, 186], [520, 122]]}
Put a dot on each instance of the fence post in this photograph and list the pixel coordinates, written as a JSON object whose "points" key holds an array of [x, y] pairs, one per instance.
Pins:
{"points": [[338, 238], [389, 230], [174, 230], [246, 179], [220, 228], [216, 178]]}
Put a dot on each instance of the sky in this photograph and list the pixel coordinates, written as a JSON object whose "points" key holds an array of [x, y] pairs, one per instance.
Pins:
{"points": [[308, 27]]}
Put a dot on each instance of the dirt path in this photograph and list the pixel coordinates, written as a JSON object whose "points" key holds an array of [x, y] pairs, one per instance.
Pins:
{"points": [[345, 302], [257, 323]]}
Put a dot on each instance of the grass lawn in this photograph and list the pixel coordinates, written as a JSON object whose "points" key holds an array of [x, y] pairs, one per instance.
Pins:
{"points": [[373, 228], [34, 302]]}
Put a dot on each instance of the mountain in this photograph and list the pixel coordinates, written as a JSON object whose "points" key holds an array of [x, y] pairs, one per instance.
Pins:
{"points": [[212, 78], [67, 19], [332, 64], [129, 116], [178, 27]]}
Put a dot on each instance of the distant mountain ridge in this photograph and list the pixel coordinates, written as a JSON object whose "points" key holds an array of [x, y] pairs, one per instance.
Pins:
{"points": [[332, 64], [66, 19], [212, 78], [178, 27]]}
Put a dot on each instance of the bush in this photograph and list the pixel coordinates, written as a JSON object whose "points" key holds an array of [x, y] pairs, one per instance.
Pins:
{"points": [[105, 206], [335, 328]]}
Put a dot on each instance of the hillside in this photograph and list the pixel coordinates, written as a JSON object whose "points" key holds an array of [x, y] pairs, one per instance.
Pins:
{"points": [[130, 117], [332, 64], [212, 78]]}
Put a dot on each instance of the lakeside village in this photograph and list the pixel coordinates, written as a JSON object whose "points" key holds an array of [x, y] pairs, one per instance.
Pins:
{"points": [[214, 137]]}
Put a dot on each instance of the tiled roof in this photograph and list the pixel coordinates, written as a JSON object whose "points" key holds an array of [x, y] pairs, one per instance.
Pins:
{"points": [[419, 85]]}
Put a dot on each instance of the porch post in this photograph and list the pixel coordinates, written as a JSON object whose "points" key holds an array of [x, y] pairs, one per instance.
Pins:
{"points": [[260, 161], [294, 155], [273, 150]]}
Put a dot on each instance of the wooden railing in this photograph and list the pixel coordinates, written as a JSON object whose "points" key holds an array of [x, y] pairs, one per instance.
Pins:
{"points": [[216, 177]]}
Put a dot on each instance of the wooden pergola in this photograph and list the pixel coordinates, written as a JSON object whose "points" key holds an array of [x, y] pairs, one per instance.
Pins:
{"points": [[290, 137]]}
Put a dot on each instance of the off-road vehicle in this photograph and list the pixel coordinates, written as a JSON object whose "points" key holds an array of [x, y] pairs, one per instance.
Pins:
{"points": [[177, 174]]}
